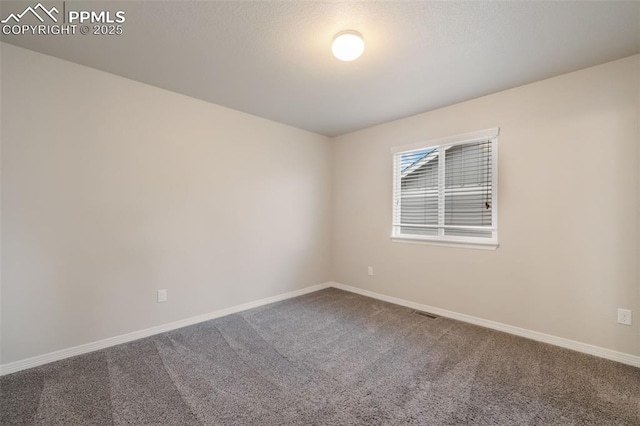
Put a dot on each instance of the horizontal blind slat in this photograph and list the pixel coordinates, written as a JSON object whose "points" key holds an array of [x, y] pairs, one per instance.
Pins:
{"points": [[464, 196]]}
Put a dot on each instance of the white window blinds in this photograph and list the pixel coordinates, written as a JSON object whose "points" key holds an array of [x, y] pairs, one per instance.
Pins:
{"points": [[447, 192]]}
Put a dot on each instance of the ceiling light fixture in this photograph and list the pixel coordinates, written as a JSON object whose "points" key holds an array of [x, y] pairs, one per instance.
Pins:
{"points": [[347, 45]]}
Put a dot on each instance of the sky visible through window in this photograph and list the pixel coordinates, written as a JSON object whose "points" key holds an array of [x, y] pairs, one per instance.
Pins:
{"points": [[410, 158]]}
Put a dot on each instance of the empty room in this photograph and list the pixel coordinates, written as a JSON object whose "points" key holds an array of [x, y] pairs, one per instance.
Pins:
{"points": [[320, 213]]}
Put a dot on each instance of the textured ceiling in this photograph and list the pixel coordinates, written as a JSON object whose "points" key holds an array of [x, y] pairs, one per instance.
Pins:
{"points": [[273, 59]]}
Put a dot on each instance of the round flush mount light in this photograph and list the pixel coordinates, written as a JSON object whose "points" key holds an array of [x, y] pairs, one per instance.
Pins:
{"points": [[347, 45]]}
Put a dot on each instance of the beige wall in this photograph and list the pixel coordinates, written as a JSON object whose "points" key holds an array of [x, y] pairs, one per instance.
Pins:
{"points": [[112, 189], [569, 210]]}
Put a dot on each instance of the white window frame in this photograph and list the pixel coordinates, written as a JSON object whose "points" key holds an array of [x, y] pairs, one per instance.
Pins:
{"points": [[441, 239]]}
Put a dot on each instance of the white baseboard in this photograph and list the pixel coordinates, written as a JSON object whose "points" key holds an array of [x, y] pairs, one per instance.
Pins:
{"points": [[529, 334], [24, 364], [35, 361]]}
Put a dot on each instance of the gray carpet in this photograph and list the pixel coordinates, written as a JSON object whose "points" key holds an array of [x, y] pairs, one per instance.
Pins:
{"points": [[327, 358]]}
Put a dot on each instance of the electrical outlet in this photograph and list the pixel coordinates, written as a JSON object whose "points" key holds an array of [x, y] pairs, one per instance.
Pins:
{"points": [[624, 316], [370, 271], [162, 296]]}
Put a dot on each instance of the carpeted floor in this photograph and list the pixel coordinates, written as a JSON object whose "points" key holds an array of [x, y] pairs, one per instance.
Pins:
{"points": [[327, 358]]}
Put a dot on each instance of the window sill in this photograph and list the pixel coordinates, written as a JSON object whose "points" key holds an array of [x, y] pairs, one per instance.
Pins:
{"points": [[447, 243]]}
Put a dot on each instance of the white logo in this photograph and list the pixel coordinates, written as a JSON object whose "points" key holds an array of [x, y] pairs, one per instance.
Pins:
{"points": [[33, 11]]}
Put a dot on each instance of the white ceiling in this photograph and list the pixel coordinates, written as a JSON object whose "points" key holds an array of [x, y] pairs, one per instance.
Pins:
{"points": [[273, 58]]}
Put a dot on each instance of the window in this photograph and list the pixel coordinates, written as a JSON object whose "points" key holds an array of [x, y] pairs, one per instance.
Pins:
{"points": [[445, 191]]}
